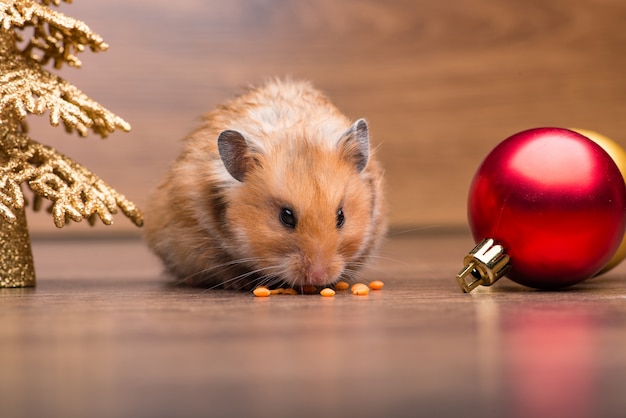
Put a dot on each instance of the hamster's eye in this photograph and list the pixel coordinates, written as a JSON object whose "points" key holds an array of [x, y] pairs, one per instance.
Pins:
{"points": [[341, 218], [287, 218]]}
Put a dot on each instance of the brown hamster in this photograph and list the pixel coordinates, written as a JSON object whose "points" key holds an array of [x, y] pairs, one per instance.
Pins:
{"points": [[276, 187]]}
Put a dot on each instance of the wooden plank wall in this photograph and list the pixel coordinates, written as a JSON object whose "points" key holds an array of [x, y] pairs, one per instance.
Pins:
{"points": [[440, 82]]}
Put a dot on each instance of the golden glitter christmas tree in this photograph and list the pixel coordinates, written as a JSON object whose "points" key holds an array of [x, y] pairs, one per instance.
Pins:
{"points": [[26, 87]]}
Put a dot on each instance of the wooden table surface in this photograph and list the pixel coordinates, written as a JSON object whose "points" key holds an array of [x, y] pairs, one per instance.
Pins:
{"points": [[104, 335]]}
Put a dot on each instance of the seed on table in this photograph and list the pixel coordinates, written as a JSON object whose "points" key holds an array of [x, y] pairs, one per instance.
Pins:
{"points": [[261, 292], [360, 289], [356, 285], [376, 285], [327, 292], [290, 291], [341, 285], [278, 291]]}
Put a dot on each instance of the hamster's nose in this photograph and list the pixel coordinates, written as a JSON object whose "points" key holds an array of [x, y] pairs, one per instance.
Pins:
{"points": [[316, 275]]}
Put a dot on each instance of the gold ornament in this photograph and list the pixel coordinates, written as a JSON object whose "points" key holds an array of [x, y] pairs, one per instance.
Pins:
{"points": [[25, 87], [619, 156]]}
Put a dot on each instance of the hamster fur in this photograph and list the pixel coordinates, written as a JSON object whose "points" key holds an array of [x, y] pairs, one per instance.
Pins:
{"points": [[276, 187]]}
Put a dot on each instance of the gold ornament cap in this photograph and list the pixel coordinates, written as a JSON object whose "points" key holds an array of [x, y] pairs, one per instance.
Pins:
{"points": [[484, 265]]}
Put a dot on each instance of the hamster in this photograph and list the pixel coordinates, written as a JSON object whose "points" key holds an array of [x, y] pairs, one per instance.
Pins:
{"points": [[277, 187]]}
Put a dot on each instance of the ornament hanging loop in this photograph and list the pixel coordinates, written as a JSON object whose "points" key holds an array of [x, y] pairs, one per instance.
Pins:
{"points": [[483, 266]]}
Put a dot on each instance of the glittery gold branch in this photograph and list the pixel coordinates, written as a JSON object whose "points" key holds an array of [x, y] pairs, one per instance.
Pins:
{"points": [[56, 35], [25, 87], [75, 192], [34, 90]]}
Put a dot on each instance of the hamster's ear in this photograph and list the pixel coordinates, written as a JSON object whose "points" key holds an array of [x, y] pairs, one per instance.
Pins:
{"points": [[235, 153], [355, 144]]}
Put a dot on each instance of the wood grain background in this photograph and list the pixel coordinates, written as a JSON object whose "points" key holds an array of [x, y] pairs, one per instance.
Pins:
{"points": [[440, 82]]}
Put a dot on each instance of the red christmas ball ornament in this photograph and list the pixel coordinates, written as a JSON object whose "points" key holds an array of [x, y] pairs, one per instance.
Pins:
{"points": [[547, 208]]}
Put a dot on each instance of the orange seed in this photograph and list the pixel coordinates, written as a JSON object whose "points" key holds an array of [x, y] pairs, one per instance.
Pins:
{"points": [[360, 289], [261, 292], [327, 292], [341, 285], [376, 285]]}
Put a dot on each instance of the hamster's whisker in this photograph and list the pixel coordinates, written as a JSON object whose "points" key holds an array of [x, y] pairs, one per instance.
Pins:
{"points": [[351, 275], [267, 280], [241, 276], [255, 276], [413, 230], [210, 270], [385, 258], [232, 263], [274, 277]]}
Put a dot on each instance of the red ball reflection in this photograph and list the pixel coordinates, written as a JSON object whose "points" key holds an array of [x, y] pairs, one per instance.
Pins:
{"points": [[555, 200]]}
